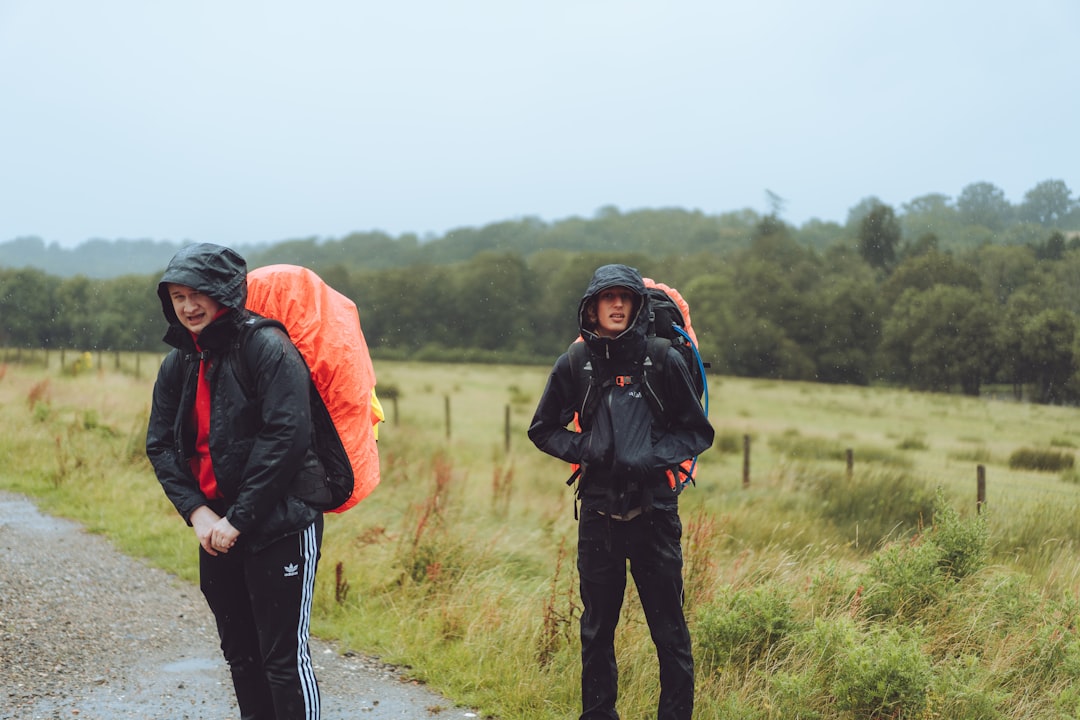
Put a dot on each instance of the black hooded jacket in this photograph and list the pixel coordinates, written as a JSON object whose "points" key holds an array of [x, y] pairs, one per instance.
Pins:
{"points": [[625, 451], [258, 444]]}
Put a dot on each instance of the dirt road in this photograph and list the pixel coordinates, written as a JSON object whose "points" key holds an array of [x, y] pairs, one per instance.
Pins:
{"points": [[88, 633]]}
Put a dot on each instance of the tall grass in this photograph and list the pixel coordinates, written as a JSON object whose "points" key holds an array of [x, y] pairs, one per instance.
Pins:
{"points": [[812, 592]]}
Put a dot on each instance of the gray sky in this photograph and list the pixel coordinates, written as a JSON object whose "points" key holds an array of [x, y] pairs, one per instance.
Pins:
{"points": [[238, 121]]}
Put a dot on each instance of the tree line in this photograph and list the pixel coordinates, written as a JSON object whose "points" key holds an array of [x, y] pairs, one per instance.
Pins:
{"points": [[941, 296]]}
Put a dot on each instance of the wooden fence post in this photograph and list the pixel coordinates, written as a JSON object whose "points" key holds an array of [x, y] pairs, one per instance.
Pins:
{"points": [[980, 488], [447, 406], [506, 428], [746, 461], [850, 462]]}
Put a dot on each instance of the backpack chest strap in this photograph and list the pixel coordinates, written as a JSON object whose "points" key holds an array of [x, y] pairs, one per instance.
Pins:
{"points": [[623, 381]]}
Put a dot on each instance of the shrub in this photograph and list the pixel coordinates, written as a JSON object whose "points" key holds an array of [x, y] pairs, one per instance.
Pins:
{"points": [[793, 695], [802, 448], [742, 625], [903, 578], [1041, 460], [912, 443], [728, 442], [884, 676], [963, 690], [964, 544], [870, 506]]}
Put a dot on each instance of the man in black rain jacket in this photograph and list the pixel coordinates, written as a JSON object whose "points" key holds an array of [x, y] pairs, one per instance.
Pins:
{"points": [[629, 498], [230, 464]]}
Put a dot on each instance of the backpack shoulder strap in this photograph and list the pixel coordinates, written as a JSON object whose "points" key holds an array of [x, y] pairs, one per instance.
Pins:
{"points": [[656, 352], [581, 372], [241, 367]]}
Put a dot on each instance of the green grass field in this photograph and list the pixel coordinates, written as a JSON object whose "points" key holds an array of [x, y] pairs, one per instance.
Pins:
{"points": [[811, 593]]}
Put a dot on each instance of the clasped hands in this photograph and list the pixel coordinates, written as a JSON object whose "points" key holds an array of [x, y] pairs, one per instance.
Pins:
{"points": [[215, 533]]}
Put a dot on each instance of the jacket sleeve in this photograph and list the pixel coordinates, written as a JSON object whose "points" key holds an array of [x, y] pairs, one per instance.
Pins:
{"points": [[172, 470], [688, 432], [548, 429], [282, 383]]}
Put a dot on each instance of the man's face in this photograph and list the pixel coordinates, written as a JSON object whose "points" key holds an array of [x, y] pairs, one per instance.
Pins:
{"points": [[614, 307], [195, 310]]}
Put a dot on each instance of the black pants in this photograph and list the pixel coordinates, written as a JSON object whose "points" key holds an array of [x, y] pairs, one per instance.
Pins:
{"points": [[651, 542], [262, 604]]}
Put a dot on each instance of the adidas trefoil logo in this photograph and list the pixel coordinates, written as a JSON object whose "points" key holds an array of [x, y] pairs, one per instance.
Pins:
{"points": [[291, 570]]}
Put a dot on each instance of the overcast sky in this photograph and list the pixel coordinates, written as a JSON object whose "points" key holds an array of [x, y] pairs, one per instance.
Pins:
{"points": [[241, 121]]}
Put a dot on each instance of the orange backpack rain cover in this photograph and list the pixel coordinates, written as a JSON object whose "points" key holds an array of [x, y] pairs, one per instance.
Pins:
{"points": [[325, 326]]}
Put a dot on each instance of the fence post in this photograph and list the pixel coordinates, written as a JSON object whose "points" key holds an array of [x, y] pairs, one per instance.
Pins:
{"points": [[506, 428], [446, 399], [850, 462], [980, 488], [746, 461]]}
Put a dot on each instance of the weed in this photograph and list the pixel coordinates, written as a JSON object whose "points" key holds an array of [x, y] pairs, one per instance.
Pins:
{"points": [[502, 485], [42, 412], [62, 468], [341, 585], [557, 625], [699, 558], [39, 394], [81, 364], [1041, 460]]}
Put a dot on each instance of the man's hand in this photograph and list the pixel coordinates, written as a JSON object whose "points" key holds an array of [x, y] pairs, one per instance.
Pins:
{"points": [[203, 520], [223, 535]]}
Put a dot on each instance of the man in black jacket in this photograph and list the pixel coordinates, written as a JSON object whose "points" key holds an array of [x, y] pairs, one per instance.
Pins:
{"points": [[628, 452], [230, 464]]}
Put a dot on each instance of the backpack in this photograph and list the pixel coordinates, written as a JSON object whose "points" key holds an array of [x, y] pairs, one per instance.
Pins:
{"points": [[669, 327], [325, 327], [669, 318]]}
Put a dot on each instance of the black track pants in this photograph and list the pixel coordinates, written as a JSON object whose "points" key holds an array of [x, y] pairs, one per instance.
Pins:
{"points": [[652, 544], [262, 604]]}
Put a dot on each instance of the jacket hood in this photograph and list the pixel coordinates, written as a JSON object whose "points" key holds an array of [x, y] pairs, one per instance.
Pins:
{"points": [[631, 341], [215, 270]]}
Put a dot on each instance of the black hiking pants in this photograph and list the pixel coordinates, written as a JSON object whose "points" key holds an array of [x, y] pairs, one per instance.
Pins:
{"points": [[651, 542], [262, 604]]}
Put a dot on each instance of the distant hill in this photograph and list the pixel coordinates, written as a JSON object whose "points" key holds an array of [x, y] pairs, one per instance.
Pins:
{"points": [[94, 258], [666, 231]]}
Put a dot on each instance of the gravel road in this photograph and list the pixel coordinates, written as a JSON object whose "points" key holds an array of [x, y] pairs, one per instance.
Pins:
{"points": [[88, 633]]}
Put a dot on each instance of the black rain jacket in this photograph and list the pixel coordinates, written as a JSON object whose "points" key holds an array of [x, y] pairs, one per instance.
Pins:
{"points": [[258, 445], [625, 451]]}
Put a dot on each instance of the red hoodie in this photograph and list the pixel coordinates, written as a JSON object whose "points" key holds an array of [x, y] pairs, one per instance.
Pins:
{"points": [[201, 463]]}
